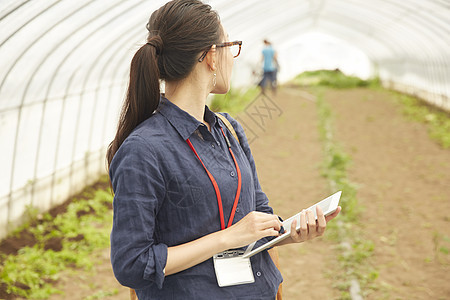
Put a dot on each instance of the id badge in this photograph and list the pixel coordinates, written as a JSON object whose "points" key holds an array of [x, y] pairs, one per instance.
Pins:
{"points": [[232, 269]]}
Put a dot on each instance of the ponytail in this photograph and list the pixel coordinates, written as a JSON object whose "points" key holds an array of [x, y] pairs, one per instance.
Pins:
{"points": [[143, 93]]}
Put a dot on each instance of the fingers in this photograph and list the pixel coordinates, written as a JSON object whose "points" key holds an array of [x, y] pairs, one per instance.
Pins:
{"points": [[333, 215], [312, 227], [321, 222], [266, 220], [303, 224], [309, 227], [269, 225], [272, 223], [270, 232], [302, 234], [295, 236], [254, 226], [264, 224]]}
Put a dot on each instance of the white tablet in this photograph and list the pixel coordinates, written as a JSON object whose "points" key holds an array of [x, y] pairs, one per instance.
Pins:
{"points": [[328, 205]]}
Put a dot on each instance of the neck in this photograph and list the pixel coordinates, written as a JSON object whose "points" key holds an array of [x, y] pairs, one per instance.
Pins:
{"points": [[188, 97]]}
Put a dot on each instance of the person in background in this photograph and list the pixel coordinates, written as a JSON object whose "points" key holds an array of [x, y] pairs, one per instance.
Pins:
{"points": [[270, 67], [184, 188]]}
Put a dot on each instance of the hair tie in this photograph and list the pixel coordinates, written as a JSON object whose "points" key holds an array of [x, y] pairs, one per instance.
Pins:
{"points": [[156, 42], [154, 46]]}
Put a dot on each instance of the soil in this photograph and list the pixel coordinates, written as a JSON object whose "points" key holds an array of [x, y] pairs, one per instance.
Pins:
{"points": [[403, 180], [404, 187], [13, 243]]}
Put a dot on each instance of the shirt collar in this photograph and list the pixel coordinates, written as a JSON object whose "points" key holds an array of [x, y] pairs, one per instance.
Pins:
{"points": [[182, 121]]}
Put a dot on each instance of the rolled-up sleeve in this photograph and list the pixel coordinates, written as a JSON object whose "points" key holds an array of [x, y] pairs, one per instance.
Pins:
{"points": [[262, 202], [138, 260]]}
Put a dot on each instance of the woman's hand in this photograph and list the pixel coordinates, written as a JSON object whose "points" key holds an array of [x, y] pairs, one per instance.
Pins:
{"points": [[309, 227], [254, 226]]}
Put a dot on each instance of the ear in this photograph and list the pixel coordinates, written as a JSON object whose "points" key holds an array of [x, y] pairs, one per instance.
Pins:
{"points": [[211, 58]]}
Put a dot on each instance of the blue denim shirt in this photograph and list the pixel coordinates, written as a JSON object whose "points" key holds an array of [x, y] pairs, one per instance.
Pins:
{"points": [[163, 198]]}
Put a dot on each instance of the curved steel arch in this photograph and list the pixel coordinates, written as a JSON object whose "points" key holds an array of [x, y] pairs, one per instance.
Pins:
{"points": [[117, 45], [13, 9], [40, 13], [417, 28], [90, 69], [21, 54], [45, 101]]}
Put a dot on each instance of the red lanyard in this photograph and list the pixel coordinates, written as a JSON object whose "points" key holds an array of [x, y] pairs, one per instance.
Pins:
{"points": [[216, 187]]}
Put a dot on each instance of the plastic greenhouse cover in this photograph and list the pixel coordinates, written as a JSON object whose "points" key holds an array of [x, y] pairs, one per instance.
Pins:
{"points": [[64, 64]]}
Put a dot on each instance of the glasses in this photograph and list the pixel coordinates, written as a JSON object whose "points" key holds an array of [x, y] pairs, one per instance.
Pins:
{"points": [[235, 49]]}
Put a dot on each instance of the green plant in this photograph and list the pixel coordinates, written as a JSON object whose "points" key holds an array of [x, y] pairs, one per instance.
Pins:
{"points": [[102, 294], [438, 122], [234, 101], [61, 242], [354, 250], [334, 79]]}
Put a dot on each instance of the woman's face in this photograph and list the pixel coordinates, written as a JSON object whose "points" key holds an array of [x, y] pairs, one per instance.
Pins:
{"points": [[224, 66]]}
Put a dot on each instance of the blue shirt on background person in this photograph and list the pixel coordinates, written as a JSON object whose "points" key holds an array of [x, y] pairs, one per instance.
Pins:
{"points": [[268, 57], [163, 198]]}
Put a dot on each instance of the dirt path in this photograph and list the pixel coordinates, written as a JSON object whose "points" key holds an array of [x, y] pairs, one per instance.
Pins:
{"points": [[404, 186], [288, 154]]}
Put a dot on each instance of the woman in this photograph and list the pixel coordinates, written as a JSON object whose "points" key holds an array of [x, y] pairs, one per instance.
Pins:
{"points": [[185, 189]]}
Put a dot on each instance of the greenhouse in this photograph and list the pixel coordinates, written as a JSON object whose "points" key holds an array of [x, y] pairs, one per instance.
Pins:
{"points": [[362, 105]]}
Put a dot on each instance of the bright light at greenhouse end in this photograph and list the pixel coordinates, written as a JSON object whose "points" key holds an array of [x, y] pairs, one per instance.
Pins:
{"points": [[315, 51], [311, 51]]}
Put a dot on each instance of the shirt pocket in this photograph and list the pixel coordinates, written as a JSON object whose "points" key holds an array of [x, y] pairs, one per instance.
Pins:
{"points": [[184, 192]]}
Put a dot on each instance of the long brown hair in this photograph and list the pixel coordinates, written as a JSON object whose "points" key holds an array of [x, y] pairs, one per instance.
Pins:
{"points": [[178, 32]]}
